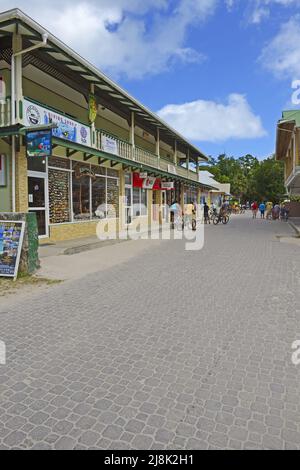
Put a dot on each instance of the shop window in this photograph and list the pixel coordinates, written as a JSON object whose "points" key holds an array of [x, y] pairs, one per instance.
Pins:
{"points": [[98, 170], [127, 177], [36, 164], [112, 173], [57, 162], [81, 192], [139, 202], [99, 197], [59, 196], [144, 202], [136, 202], [112, 197]]}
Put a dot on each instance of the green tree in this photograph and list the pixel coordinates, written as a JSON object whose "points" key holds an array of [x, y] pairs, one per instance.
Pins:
{"points": [[249, 178]]}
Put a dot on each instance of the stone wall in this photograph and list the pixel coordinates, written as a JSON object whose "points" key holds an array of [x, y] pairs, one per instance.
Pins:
{"points": [[29, 261], [294, 208]]}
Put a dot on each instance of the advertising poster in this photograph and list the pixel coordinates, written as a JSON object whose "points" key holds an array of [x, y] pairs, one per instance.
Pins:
{"points": [[39, 143], [11, 241], [67, 129]]}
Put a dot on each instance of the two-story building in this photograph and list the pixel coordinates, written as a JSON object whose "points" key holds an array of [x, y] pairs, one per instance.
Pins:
{"points": [[288, 149], [112, 158]]}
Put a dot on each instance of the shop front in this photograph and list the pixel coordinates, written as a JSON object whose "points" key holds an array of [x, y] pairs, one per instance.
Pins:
{"points": [[64, 192]]}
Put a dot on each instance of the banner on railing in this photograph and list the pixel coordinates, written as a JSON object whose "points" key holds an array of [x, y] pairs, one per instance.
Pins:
{"points": [[67, 128], [172, 169], [109, 145]]}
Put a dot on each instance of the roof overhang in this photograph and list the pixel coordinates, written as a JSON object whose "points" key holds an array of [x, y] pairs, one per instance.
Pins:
{"points": [[285, 130], [59, 55]]}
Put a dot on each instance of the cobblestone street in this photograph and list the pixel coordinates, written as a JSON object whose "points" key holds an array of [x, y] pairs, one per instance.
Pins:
{"points": [[168, 350]]}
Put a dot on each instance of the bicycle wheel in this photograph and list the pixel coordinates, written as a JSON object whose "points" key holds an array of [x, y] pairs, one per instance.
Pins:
{"points": [[180, 225], [225, 219], [216, 220]]}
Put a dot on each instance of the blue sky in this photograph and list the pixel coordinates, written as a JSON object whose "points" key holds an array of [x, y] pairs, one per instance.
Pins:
{"points": [[220, 71]]}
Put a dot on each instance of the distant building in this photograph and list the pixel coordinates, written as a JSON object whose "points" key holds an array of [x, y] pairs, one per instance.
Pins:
{"points": [[218, 191], [288, 148]]}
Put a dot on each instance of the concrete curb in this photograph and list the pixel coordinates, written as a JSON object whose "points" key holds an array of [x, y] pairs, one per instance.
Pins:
{"points": [[294, 227], [91, 246]]}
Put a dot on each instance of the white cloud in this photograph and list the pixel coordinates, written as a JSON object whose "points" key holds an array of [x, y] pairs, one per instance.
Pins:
{"points": [[131, 37], [259, 10], [282, 54], [262, 8], [211, 121]]}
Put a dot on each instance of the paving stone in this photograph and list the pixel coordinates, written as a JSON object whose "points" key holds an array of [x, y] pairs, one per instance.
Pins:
{"points": [[113, 432], [97, 371], [65, 443], [142, 442]]}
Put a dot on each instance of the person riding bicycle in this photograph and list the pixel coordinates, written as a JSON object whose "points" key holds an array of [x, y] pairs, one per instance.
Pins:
{"points": [[176, 212], [189, 212], [284, 212]]}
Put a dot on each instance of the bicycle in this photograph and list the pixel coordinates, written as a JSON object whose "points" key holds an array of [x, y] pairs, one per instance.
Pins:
{"points": [[284, 215], [221, 218], [181, 223]]}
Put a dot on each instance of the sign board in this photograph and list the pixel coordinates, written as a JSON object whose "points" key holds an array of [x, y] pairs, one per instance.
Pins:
{"points": [[166, 185], [172, 169], [109, 145], [143, 174], [39, 143], [11, 242], [149, 182], [67, 128], [2, 170]]}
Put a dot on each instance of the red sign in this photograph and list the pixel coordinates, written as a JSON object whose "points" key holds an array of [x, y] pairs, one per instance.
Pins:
{"points": [[146, 183]]}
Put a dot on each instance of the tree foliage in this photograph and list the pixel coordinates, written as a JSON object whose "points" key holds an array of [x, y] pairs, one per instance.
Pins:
{"points": [[250, 178]]}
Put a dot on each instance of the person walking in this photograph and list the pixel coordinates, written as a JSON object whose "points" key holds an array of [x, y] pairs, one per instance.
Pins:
{"points": [[276, 212], [206, 213], [269, 207], [262, 208], [254, 208]]}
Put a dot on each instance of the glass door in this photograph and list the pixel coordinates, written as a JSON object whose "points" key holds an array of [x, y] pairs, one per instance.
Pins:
{"points": [[164, 211], [38, 200]]}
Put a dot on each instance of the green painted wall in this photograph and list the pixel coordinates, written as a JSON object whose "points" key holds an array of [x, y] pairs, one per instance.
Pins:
{"points": [[5, 191]]}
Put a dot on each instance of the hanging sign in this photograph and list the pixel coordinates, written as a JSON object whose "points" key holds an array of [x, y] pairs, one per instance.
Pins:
{"points": [[166, 185], [149, 182], [11, 242], [93, 108], [66, 129], [2, 170], [39, 143], [109, 145]]}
